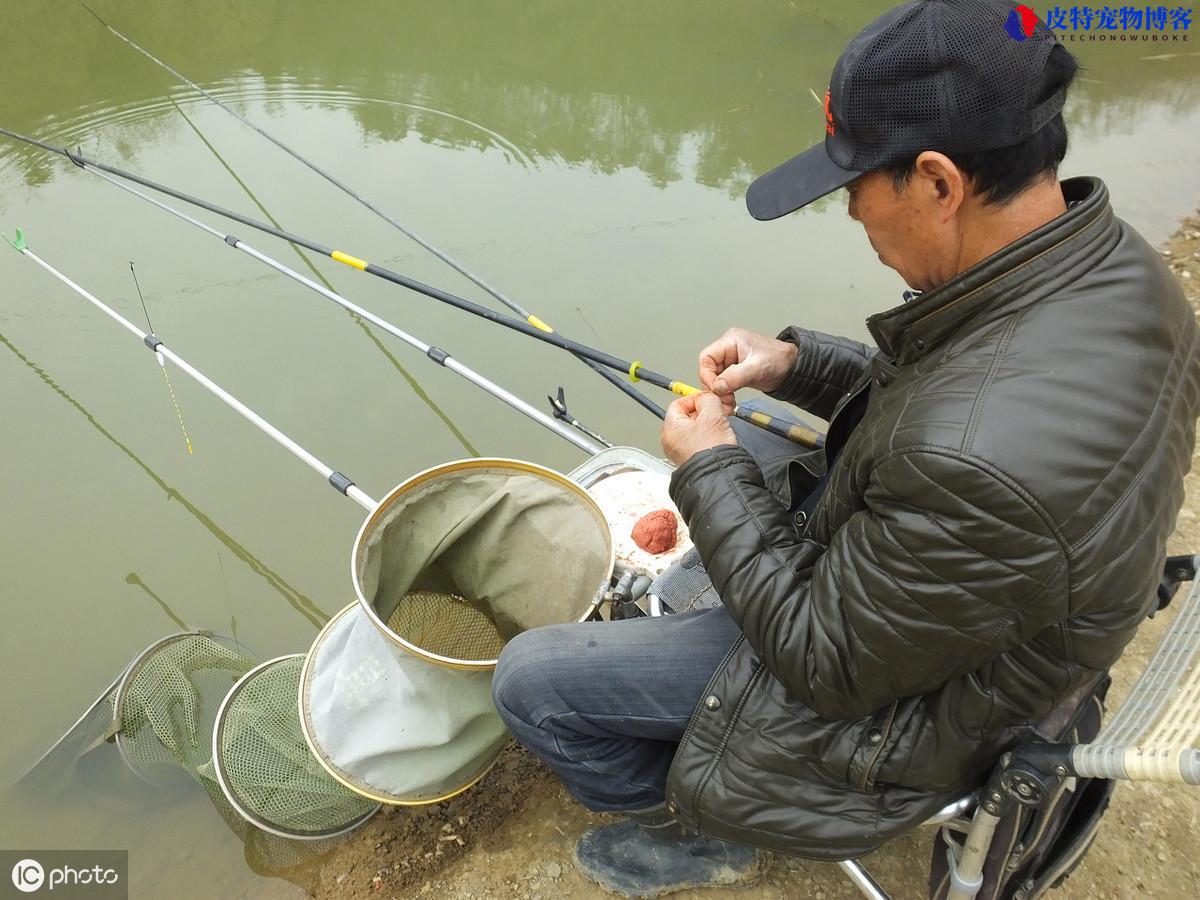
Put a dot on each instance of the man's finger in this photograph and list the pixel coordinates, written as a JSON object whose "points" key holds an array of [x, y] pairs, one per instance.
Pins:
{"points": [[683, 409], [715, 358], [732, 379], [710, 406]]}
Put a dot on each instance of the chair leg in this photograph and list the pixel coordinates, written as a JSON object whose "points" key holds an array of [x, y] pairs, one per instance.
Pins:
{"points": [[966, 871], [862, 880]]}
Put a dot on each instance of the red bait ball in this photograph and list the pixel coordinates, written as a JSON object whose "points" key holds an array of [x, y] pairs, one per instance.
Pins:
{"points": [[655, 531]]}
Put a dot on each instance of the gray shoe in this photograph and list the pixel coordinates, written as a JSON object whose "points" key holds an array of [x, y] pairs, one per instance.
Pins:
{"points": [[633, 861]]}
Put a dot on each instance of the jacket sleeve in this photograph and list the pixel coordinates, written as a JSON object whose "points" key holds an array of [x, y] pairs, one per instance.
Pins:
{"points": [[825, 370], [945, 567]]}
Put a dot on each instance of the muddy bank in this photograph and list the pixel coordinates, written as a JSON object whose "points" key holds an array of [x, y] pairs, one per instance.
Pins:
{"points": [[512, 836]]}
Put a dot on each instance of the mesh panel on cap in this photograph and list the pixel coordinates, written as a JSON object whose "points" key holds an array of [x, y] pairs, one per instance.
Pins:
{"points": [[893, 75], [944, 76], [990, 81]]}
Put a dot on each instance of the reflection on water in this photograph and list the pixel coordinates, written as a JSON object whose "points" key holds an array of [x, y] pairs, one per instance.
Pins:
{"points": [[660, 87], [319, 276], [590, 158], [302, 604]]}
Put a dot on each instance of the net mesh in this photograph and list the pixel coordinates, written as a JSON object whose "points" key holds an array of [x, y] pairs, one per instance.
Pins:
{"points": [[265, 766], [168, 738], [446, 624], [167, 705]]}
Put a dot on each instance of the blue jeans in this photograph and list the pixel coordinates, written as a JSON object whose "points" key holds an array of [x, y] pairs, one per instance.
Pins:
{"points": [[605, 704]]}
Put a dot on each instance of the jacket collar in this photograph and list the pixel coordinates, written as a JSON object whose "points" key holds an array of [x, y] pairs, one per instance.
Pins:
{"points": [[1008, 280]]}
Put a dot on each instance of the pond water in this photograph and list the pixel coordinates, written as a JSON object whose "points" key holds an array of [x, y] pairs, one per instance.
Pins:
{"points": [[590, 160]]}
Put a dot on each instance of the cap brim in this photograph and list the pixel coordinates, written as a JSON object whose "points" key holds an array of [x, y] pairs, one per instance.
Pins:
{"points": [[796, 183]]}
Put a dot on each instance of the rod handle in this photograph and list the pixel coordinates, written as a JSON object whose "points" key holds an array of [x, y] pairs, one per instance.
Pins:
{"points": [[797, 434]]}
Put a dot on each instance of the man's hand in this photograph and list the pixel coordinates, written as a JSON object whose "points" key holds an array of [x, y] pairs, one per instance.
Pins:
{"points": [[741, 358], [694, 423]]}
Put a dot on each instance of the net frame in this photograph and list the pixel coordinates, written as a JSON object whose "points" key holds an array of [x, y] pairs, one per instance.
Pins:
{"points": [[225, 782], [346, 778], [117, 730], [386, 505]]}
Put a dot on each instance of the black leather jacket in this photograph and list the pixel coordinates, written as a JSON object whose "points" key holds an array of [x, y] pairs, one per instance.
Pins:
{"points": [[990, 538]]}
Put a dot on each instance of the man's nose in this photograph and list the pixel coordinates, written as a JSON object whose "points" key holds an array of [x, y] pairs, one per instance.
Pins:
{"points": [[852, 208]]}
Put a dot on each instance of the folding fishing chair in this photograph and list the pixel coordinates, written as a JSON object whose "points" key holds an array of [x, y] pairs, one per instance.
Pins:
{"points": [[1153, 737]]}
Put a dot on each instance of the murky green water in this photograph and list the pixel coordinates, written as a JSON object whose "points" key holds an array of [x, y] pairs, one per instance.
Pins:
{"points": [[588, 159]]}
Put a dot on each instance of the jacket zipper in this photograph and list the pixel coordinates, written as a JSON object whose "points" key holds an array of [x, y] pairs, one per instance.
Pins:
{"points": [[842, 404], [887, 731]]}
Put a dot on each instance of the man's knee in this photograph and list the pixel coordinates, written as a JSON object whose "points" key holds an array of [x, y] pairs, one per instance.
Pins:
{"points": [[528, 668]]}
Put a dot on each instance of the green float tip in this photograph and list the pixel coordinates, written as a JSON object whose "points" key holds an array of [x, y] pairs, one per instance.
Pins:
{"points": [[18, 242]]}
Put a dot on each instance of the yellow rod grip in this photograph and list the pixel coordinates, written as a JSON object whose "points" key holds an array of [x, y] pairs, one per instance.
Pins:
{"points": [[798, 434], [683, 390], [353, 261], [539, 324], [805, 436], [633, 368]]}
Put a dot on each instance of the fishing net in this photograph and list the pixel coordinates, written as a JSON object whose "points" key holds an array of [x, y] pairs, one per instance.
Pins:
{"points": [[462, 557], [166, 705], [163, 713], [391, 725], [264, 767]]}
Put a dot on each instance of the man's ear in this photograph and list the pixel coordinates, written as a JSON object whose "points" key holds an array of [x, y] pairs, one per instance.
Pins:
{"points": [[944, 183]]}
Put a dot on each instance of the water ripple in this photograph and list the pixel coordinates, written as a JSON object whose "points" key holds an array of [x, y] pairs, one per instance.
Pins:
{"points": [[240, 93]]}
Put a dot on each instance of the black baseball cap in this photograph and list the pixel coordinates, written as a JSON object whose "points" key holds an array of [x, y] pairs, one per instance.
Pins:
{"points": [[957, 76]]}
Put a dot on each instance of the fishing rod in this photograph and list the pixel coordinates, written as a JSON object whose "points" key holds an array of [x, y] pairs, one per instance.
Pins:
{"points": [[529, 317], [415, 385], [337, 480], [635, 369], [439, 356]]}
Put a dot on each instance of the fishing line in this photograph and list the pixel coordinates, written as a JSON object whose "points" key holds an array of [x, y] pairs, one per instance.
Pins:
{"points": [[162, 364], [337, 480]]}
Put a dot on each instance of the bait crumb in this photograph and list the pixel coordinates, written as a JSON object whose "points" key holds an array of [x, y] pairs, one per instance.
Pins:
{"points": [[655, 532]]}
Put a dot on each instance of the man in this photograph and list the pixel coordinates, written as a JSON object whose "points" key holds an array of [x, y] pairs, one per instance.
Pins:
{"points": [[986, 527]]}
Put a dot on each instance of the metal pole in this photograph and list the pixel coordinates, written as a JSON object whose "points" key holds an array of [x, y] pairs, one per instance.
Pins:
{"points": [[434, 353], [796, 434], [345, 188], [862, 880], [339, 481]]}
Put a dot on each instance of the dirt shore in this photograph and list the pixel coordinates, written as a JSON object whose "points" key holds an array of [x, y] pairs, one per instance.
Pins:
{"points": [[512, 836]]}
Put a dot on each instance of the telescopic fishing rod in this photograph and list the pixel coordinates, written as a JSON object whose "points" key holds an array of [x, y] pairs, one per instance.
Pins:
{"points": [[438, 355], [346, 189], [635, 369], [340, 482]]}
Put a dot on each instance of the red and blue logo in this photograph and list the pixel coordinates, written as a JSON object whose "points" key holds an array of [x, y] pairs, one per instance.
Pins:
{"points": [[1020, 22]]}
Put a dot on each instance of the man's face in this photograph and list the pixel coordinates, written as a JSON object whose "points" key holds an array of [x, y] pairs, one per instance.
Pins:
{"points": [[901, 227]]}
